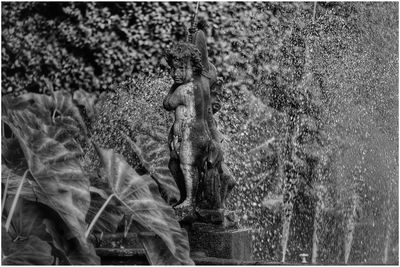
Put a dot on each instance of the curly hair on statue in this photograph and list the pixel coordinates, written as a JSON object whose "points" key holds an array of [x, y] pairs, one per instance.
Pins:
{"points": [[181, 52]]}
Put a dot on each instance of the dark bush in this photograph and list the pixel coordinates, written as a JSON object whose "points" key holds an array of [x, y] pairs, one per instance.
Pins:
{"points": [[93, 45]]}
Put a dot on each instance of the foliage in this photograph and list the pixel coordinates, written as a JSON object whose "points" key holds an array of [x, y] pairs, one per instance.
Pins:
{"points": [[33, 251], [44, 129], [153, 154], [49, 206], [87, 46], [141, 199], [95, 45], [52, 158]]}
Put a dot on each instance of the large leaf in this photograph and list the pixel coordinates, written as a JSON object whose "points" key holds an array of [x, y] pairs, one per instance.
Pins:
{"points": [[154, 157], [57, 109], [12, 155], [110, 217], [5, 241], [34, 218], [69, 250], [156, 250], [58, 176], [29, 191], [28, 248], [142, 200], [27, 219], [57, 179], [32, 251]]}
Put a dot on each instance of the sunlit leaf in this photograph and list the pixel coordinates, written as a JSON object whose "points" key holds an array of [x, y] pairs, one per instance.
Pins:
{"points": [[142, 200], [58, 174], [154, 157], [109, 218]]}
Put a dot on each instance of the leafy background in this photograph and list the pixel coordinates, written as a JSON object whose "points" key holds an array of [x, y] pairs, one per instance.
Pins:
{"points": [[332, 65]]}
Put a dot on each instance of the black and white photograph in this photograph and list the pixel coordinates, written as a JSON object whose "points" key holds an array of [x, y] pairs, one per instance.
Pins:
{"points": [[199, 133]]}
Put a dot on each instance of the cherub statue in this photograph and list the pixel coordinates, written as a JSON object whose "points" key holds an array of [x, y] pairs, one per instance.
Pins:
{"points": [[196, 158], [189, 134]]}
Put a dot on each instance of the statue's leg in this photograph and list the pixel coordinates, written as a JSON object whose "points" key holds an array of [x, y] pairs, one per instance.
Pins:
{"points": [[213, 183], [188, 158], [227, 183], [192, 179], [175, 168]]}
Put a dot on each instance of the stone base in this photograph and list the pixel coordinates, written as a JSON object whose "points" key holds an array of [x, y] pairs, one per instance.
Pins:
{"points": [[219, 242], [221, 217]]}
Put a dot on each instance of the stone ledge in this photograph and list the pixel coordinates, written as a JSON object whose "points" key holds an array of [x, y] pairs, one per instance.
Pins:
{"points": [[218, 242], [220, 261], [119, 256]]}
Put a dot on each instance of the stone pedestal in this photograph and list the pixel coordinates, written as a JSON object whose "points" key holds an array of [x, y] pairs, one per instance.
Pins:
{"points": [[225, 218], [219, 242]]}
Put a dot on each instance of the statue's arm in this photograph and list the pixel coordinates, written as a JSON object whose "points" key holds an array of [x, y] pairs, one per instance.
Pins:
{"points": [[175, 99], [201, 44], [168, 100], [166, 104]]}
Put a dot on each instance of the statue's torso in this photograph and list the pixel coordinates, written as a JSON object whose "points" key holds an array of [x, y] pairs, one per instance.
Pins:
{"points": [[185, 113], [186, 124]]}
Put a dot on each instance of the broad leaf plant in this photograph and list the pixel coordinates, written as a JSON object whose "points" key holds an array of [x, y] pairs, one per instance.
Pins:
{"points": [[51, 206]]}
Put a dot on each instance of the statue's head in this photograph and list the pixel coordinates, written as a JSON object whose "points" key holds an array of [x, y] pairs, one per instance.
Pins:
{"points": [[185, 62]]}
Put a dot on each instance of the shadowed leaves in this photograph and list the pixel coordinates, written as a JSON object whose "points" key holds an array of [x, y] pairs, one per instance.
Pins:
{"points": [[33, 251], [45, 128]]}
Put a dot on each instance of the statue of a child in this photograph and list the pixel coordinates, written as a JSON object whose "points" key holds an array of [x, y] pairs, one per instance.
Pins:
{"points": [[196, 158], [189, 133]]}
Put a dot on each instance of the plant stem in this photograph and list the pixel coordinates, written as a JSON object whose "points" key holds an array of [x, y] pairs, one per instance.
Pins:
{"points": [[5, 194], [14, 204], [98, 215], [128, 226]]}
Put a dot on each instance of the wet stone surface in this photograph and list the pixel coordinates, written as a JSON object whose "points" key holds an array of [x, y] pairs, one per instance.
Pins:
{"points": [[216, 241]]}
